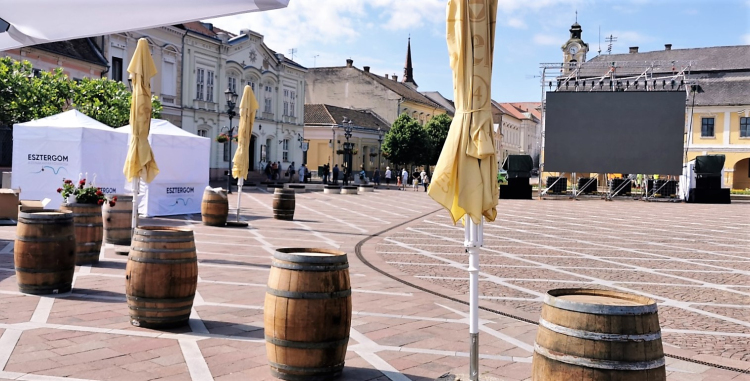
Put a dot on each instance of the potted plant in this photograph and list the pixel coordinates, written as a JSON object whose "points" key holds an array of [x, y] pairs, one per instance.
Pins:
{"points": [[223, 138], [85, 201]]}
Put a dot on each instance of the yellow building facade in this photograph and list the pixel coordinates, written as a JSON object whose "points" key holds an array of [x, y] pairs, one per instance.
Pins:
{"points": [[730, 138]]}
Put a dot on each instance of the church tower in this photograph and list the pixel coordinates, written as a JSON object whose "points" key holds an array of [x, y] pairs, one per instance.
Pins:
{"points": [[408, 69], [574, 50]]}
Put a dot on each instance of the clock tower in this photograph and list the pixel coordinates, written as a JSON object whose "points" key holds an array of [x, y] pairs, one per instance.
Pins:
{"points": [[574, 50]]}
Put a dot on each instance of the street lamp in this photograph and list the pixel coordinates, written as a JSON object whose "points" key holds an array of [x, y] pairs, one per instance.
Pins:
{"points": [[231, 98], [380, 142], [347, 125]]}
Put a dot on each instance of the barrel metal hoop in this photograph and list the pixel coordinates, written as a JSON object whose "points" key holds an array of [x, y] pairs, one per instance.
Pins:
{"points": [[598, 336], [156, 300], [599, 364], [26, 238], [162, 240], [162, 261], [152, 309], [214, 215], [599, 309], [309, 295], [164, 251], [223, 201], [171, 232], [88, 243], [43, 271], [299, 369], [46, 221], [111, 229], [288, 257], [154, 319], [94, 225], [292, 266], [57, 288], [118, 211], [307, 344]]}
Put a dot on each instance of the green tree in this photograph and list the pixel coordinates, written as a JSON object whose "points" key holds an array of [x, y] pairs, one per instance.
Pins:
{"points": [[26, 95], [437, 131], [405, 141]]}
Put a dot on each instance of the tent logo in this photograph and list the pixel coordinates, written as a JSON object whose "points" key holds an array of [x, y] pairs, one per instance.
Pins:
{"points": [[180, 190], [55, 171], [182, 201], [48, 158]]}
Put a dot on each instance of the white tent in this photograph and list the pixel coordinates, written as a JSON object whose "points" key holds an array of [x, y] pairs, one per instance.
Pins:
{"points": [[23, 22], [48, 150], [183, 159]]}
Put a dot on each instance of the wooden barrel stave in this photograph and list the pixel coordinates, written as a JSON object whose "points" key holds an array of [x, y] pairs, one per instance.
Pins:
{"points": [[161, 277], [118, 221], [283, 204], [580, 339], [44, 252], [214, 207], [89, 230], [301, 295]]}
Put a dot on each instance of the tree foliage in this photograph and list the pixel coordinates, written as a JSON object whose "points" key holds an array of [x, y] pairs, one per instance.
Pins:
{"points": [[405, 142], [26, 95], [437, 131]]}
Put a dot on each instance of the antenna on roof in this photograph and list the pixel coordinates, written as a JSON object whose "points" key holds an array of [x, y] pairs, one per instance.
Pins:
{"points": [[610, 40], [576, 16], [315, 59], [292, 51], [599, 52]]}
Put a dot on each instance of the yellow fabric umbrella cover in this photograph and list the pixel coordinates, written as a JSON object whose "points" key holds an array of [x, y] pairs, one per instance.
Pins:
{"points": [[140, 160], [465, 178], [248, 107]]}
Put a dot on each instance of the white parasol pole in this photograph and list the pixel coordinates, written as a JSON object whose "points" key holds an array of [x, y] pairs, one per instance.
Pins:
{"points": [[240, 182], [136, 190], [473, 237]]}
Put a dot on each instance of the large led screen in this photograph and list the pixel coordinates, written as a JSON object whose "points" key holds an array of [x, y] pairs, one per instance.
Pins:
{"points": [[615, 132]]}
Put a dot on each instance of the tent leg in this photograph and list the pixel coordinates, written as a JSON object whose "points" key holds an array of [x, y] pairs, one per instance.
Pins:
{"points": [[240, 182], [473, 240], [136, 190]]}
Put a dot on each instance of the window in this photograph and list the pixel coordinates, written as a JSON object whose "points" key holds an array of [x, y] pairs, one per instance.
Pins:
{"points": [[285, 151], [286, 108], [745, 127], [168, 82], [707, 127], [267, 107], [203, 133], [117, 69], [252, 85], [210, 86], [227, 153], [199, 77], [232, 84], [293, 97]]}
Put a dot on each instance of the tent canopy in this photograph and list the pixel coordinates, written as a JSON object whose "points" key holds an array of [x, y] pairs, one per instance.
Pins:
{"points": [[709, 164], [518, 166], [184, 161], [22, 24], [47, 150]]}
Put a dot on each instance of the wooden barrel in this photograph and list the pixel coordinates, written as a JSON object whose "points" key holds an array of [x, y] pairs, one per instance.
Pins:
{"points": [[283, 204], [118, 221], [161, 276], [89, 231], [214, 207], [45, 251], [598, 335], [309, 344]]}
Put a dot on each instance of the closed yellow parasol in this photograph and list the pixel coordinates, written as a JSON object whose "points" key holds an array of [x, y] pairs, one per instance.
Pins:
{"points": [[248, 107]]}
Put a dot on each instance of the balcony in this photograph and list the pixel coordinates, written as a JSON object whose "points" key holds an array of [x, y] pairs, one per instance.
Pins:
{"points": [[267, 115], [290, 119], [204, 105]]}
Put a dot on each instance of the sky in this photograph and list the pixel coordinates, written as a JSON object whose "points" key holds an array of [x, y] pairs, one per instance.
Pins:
{"points": [[529, 32]]}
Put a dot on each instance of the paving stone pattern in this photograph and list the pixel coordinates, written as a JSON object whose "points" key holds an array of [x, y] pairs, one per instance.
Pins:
{"points": [[398, 332]]}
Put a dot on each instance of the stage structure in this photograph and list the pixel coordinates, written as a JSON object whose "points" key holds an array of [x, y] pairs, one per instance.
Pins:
{"points": [[623, 79]]}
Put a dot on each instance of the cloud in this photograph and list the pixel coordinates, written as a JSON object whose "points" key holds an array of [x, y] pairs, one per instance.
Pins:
{"points": [[517, 23], [628, 38], [746, 38], [548, 39]]}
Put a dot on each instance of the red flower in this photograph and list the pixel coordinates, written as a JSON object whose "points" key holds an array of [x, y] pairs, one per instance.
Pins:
{"points": [[111, 204], [83, 181], [114, 198], [59, 190], [99, 193], [100, 202], [68, 181]]}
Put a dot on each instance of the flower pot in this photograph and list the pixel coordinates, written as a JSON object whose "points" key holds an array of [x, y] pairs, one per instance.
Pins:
{"points": [[71, 199], [87, 219]]}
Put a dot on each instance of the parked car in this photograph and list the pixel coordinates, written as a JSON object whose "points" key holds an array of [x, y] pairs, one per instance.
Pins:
{"points": [[502, 176]]}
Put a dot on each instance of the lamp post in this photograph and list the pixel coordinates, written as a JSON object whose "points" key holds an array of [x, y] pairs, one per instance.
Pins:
{"points": [[231, 97], [380, 142], [347, 125]]}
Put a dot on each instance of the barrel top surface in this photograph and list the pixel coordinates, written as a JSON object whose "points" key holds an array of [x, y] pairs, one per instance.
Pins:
{"points": [[603, 302], [310, 255], [46, 213], [163, 230], [219, 192]]}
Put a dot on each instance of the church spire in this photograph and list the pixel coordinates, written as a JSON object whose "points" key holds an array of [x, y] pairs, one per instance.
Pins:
{"points": [[408, 69]]}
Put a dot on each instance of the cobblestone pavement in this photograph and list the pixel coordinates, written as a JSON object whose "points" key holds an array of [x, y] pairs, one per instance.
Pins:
{"points": [[398, 332]]}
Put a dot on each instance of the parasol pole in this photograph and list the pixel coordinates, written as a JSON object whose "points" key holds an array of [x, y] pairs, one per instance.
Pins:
{"points": [[473, 241], [240, 182], [136, 185]]}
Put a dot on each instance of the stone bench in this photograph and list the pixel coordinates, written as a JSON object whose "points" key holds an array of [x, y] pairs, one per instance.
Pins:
{"points": [[332, 189], [366, 188], [349, 189], [297, 188]]}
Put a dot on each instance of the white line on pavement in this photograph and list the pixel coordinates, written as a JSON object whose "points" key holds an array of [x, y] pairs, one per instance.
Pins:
{"points": [[7, 343], [196, 364], [42, 311]]}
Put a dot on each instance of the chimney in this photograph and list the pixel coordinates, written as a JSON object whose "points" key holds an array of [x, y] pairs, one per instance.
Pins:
{"points": [[349, 62], [633, 49], [394, 77], [386, 76], [366, 68], [667, 46]]}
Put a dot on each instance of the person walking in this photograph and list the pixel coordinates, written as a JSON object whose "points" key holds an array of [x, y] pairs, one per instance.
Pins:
{"points": [[376, 177], [269, 171], [404, 178], [324, 175], [290, 171], [302, 173], [335, 177], [388, 176], [425, 180], [274, 170]]}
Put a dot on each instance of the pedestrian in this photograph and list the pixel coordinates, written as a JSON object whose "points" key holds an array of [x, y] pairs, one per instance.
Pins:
{"points": [[324, 175], [302, 173], [278, 170], [269, 171], [376, 177], [425, 180], [274, 170], [362, 175], [290, 172], [388, 176], [404, 178], [335, 176]]}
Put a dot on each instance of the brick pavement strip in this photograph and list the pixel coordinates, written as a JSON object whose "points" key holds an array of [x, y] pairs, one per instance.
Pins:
{"points": [[87, 335]]}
